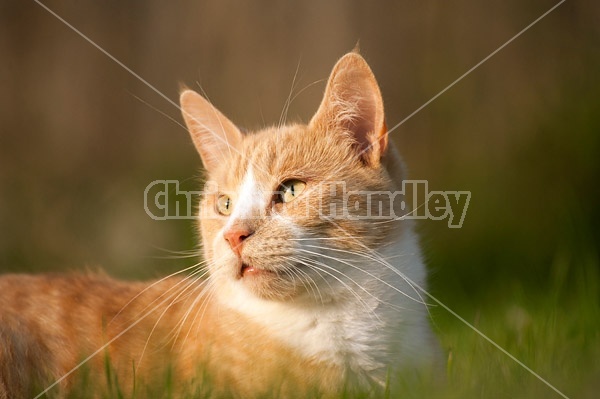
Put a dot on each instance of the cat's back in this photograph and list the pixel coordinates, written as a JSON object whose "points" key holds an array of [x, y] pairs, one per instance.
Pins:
{"points": [[48, 322], [49, 300]]}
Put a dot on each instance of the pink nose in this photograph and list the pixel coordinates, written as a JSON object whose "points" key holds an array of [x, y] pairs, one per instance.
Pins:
{"points": [[236, 237]]}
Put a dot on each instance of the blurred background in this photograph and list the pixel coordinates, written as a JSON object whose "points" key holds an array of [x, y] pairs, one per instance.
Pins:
{"points": [[81, 138]]}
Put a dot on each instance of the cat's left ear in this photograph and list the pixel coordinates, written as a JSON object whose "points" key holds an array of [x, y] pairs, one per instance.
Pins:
{"points": [[214, 136], [353, 103]]}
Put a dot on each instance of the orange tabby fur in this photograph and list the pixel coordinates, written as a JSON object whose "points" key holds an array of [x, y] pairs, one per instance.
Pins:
{"points": [[66, 317], [249, 334]]}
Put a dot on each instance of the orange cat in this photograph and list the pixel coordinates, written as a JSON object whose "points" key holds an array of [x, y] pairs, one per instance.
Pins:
{"points": [[303, 293]]}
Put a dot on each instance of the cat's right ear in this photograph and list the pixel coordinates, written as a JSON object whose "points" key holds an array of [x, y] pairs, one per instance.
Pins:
{"points": [[352, 103], [214, 136]]}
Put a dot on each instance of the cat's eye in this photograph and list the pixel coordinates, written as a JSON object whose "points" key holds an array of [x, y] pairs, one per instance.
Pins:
{"points": [[291, 189], [224, 205]]}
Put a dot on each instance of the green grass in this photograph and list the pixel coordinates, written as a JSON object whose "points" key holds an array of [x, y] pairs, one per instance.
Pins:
{"points": [[556, 334]]}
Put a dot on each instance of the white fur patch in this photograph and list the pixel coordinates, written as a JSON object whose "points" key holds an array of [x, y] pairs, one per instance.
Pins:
{"points": [[249, 200]]}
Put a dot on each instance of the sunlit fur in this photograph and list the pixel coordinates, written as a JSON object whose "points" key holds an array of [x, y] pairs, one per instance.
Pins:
{"points": [[329, 303]]}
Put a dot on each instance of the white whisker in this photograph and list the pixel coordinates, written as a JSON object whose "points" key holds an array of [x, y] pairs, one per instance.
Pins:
{"points": [[359, 269], [288, 101], [314, 264], [307, 281], [190, 282], [379, 300], [207, 297], [152, 285], [195, 280]]}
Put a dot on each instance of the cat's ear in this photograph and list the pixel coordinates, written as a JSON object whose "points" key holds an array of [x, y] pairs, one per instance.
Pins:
{"points": [[353, 103], [214, 136]]}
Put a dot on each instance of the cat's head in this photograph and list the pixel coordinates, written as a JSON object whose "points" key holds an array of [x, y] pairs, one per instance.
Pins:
{"points": [[284, 213]]}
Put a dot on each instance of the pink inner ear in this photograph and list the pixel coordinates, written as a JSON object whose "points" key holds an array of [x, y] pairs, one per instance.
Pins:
{"points": [[357, 110], [362, 124]]}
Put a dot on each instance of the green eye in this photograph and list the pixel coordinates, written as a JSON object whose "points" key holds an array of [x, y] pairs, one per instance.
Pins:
{"points": [[291, 189], [224, 205]]}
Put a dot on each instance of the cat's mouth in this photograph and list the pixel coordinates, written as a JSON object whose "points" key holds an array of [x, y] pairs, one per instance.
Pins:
{"points": [[248, 270]]}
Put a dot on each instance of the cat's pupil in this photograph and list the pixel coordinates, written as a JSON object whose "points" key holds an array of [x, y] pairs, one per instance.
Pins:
{"points": [[224, 205], [291, 189]]}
